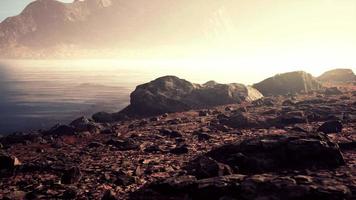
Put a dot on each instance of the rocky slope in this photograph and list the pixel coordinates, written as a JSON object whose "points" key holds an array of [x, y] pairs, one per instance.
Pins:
{"points": [[51, 28], [286, 147], [291, 82], [338, 75]]}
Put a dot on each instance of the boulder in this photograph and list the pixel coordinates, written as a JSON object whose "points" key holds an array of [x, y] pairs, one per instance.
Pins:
{"points": [[171, 94], [295, 150], [242, 120], [338, 75], [71, 175], [206, 167], [123, 145], [61, 130], [84, 124], [332, 91], [8, 162], [123, 179], [236, 186], [333, 126], [292, 82]]}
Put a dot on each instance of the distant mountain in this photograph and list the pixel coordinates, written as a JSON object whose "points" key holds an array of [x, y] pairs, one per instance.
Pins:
{"points": [[49, 27], [291, 82], [338, 75]]}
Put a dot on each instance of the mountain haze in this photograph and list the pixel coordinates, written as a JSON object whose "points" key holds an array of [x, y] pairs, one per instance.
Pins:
{"points": [[49, 27]]}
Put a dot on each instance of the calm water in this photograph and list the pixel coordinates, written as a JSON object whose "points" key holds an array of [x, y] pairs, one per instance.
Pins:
{"points": [[38, 94]]}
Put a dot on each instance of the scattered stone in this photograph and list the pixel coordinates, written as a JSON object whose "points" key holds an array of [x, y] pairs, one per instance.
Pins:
{"points": [[124, 145], [183, 149], [171, 133]]}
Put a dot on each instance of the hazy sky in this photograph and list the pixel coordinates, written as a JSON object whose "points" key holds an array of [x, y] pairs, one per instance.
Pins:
{"points": [[13, 7], [268, 36]]}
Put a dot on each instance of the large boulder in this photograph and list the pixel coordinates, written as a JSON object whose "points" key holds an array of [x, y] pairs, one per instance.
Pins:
{"points": [[171, 94], [292, 82], [8, 162], [275, 152], [236, 186], [338, 75]]}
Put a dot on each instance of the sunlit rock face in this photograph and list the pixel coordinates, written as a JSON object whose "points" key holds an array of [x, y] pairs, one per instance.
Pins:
{"points": [[288, 83], [172, 94], [47, 26], [338, 75]]}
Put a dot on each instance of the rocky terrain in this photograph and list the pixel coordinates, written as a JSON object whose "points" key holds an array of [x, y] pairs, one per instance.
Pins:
{"points": [[299, 145]]}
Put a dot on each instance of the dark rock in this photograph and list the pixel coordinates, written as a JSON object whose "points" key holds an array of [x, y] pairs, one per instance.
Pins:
{"points": [[275, 152], [261, 187], [95, 145], [263, 102], [202, 136], [183, 149], [71, 176], [170, 94], [332, 91], [293, 117], [70, 193], [103, 117], [292, 82], [242, 120], [61, 130], [171, 133], [123, 145], [122, 179], [153, 149], [8, 162], [206, 167], [346, 146], [204, 113], [334, 126], [288, 102], [109, 195], [83, 124]]}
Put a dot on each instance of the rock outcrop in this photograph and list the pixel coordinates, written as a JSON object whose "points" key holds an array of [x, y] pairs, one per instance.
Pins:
{"points": [[171, 94], [288, 83], [275, 152], [338, 75]]}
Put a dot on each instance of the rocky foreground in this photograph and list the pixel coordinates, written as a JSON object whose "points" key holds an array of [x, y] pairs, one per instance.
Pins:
{"points": [[283, 148], [292, 146]]}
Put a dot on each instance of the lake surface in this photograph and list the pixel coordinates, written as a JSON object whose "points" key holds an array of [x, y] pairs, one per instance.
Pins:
{"points": [[39, 94]]}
